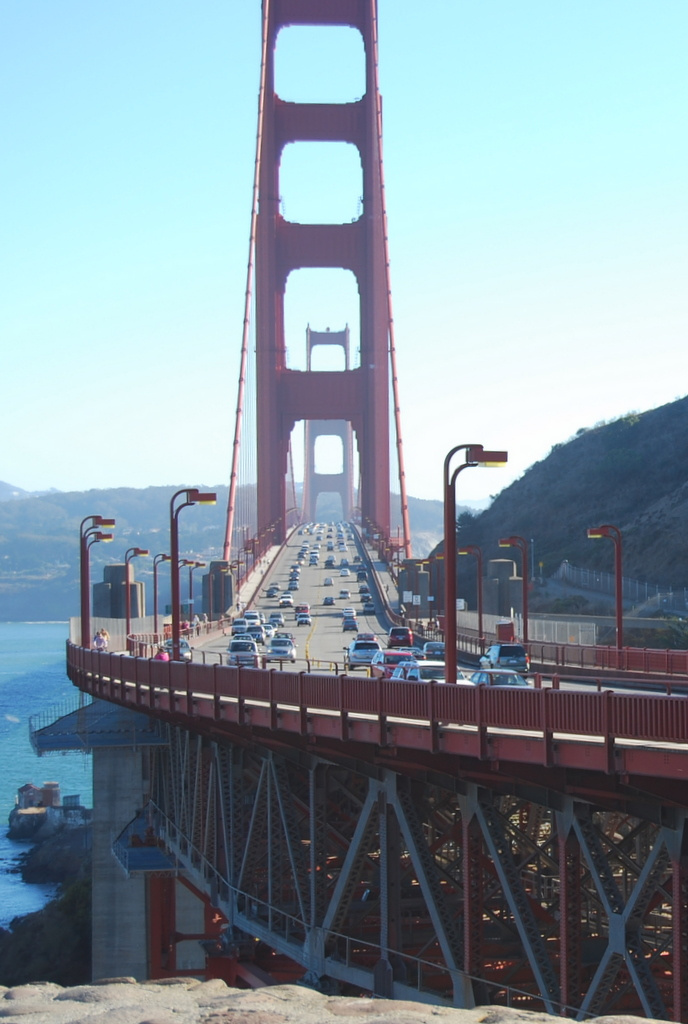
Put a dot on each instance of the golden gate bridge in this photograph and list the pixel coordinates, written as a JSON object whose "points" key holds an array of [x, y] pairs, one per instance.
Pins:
{"points": [[411, 840]]}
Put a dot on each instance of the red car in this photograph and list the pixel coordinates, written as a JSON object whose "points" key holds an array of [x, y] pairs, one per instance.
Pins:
{"points": [[400, 636], [383, 663]]}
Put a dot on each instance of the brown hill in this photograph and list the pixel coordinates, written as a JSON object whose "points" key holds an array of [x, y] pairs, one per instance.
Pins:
{"points": [[632, 473]]}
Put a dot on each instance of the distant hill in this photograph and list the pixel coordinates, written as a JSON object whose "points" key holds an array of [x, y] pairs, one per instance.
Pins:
{"points": [[39, 541], [631, 473], [10, 493]]}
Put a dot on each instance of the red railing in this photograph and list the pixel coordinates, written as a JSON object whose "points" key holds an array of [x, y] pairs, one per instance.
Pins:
{"points": [[640, 660], [196, 689]]}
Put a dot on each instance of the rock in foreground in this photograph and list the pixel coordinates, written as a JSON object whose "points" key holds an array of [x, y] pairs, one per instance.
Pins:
{"points": [[185, 1001]]}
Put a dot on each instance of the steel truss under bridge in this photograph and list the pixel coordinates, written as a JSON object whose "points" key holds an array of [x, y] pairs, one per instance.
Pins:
{"points": [[420, 885]]}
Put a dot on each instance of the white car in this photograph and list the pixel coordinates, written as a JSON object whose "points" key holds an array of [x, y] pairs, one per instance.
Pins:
{"points": [[422, 671], [281, 649], [242, 652], [345, 572], [286, 601]]}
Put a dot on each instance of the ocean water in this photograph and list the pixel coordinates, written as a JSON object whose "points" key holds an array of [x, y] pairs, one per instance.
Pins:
{"points": [[32, 680]]}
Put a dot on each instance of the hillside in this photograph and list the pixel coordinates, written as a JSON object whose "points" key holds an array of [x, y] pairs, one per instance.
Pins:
{"points": [[632, 473]]}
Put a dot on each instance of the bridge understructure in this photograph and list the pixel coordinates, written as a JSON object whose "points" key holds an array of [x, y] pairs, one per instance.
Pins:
{"points": [[359, 395], [413, 887], [360, 856]]}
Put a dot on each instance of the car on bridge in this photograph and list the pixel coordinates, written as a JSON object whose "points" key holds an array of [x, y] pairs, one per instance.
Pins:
{"points": [[369, 608], [277, 618], [400, 636], [383, 663], [304, 619], [239, 626], [329, 600], [434, 649], [185, 651], [360, 653], [349, 624], [497, 677], [422, 672], [242, 652], [511, 656], [286, 601], [257, 631], [281, 648]]}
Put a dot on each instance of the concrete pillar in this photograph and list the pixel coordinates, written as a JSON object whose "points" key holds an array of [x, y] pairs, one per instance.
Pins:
{"points": [[190, 920], [119, 944]]}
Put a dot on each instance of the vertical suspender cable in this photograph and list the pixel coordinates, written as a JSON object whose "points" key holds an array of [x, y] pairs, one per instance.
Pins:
{"points": [[392, 349], [233, 480]]}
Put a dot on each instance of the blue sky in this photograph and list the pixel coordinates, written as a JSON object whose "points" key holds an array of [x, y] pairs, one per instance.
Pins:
{"points": [[536, 162]]}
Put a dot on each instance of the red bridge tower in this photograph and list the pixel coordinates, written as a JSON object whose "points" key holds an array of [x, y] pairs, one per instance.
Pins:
{"points": [[360, 395]]}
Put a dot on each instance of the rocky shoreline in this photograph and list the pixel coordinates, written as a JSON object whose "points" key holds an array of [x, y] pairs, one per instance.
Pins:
{"points": [[184, 1001], [53, 944]]}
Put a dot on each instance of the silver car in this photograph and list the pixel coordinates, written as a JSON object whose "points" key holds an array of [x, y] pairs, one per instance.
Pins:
{"points": [[361, 652], [497, 677], [511, 656], [281, 649]]}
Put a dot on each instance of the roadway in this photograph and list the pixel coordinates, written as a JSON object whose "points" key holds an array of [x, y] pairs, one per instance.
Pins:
{"points": [[321, 645]]}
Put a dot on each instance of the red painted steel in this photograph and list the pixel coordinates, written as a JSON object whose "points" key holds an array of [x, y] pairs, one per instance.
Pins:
{"points": [[359, 396], [367, 710]]}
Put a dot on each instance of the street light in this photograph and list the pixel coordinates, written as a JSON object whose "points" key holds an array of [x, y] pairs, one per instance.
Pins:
{"points": [[131, 553], [156, 562], [475, 456], [522, 544], [473, 549], [614, 533], [192, 496], [89, 533]]}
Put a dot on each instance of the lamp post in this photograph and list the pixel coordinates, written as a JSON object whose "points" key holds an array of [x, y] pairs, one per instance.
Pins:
{"points": [[156, 562], [473, 549], [522, 544], [131, 553], [89, 533], [614, 533], [191, 496], [475, 456]]}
